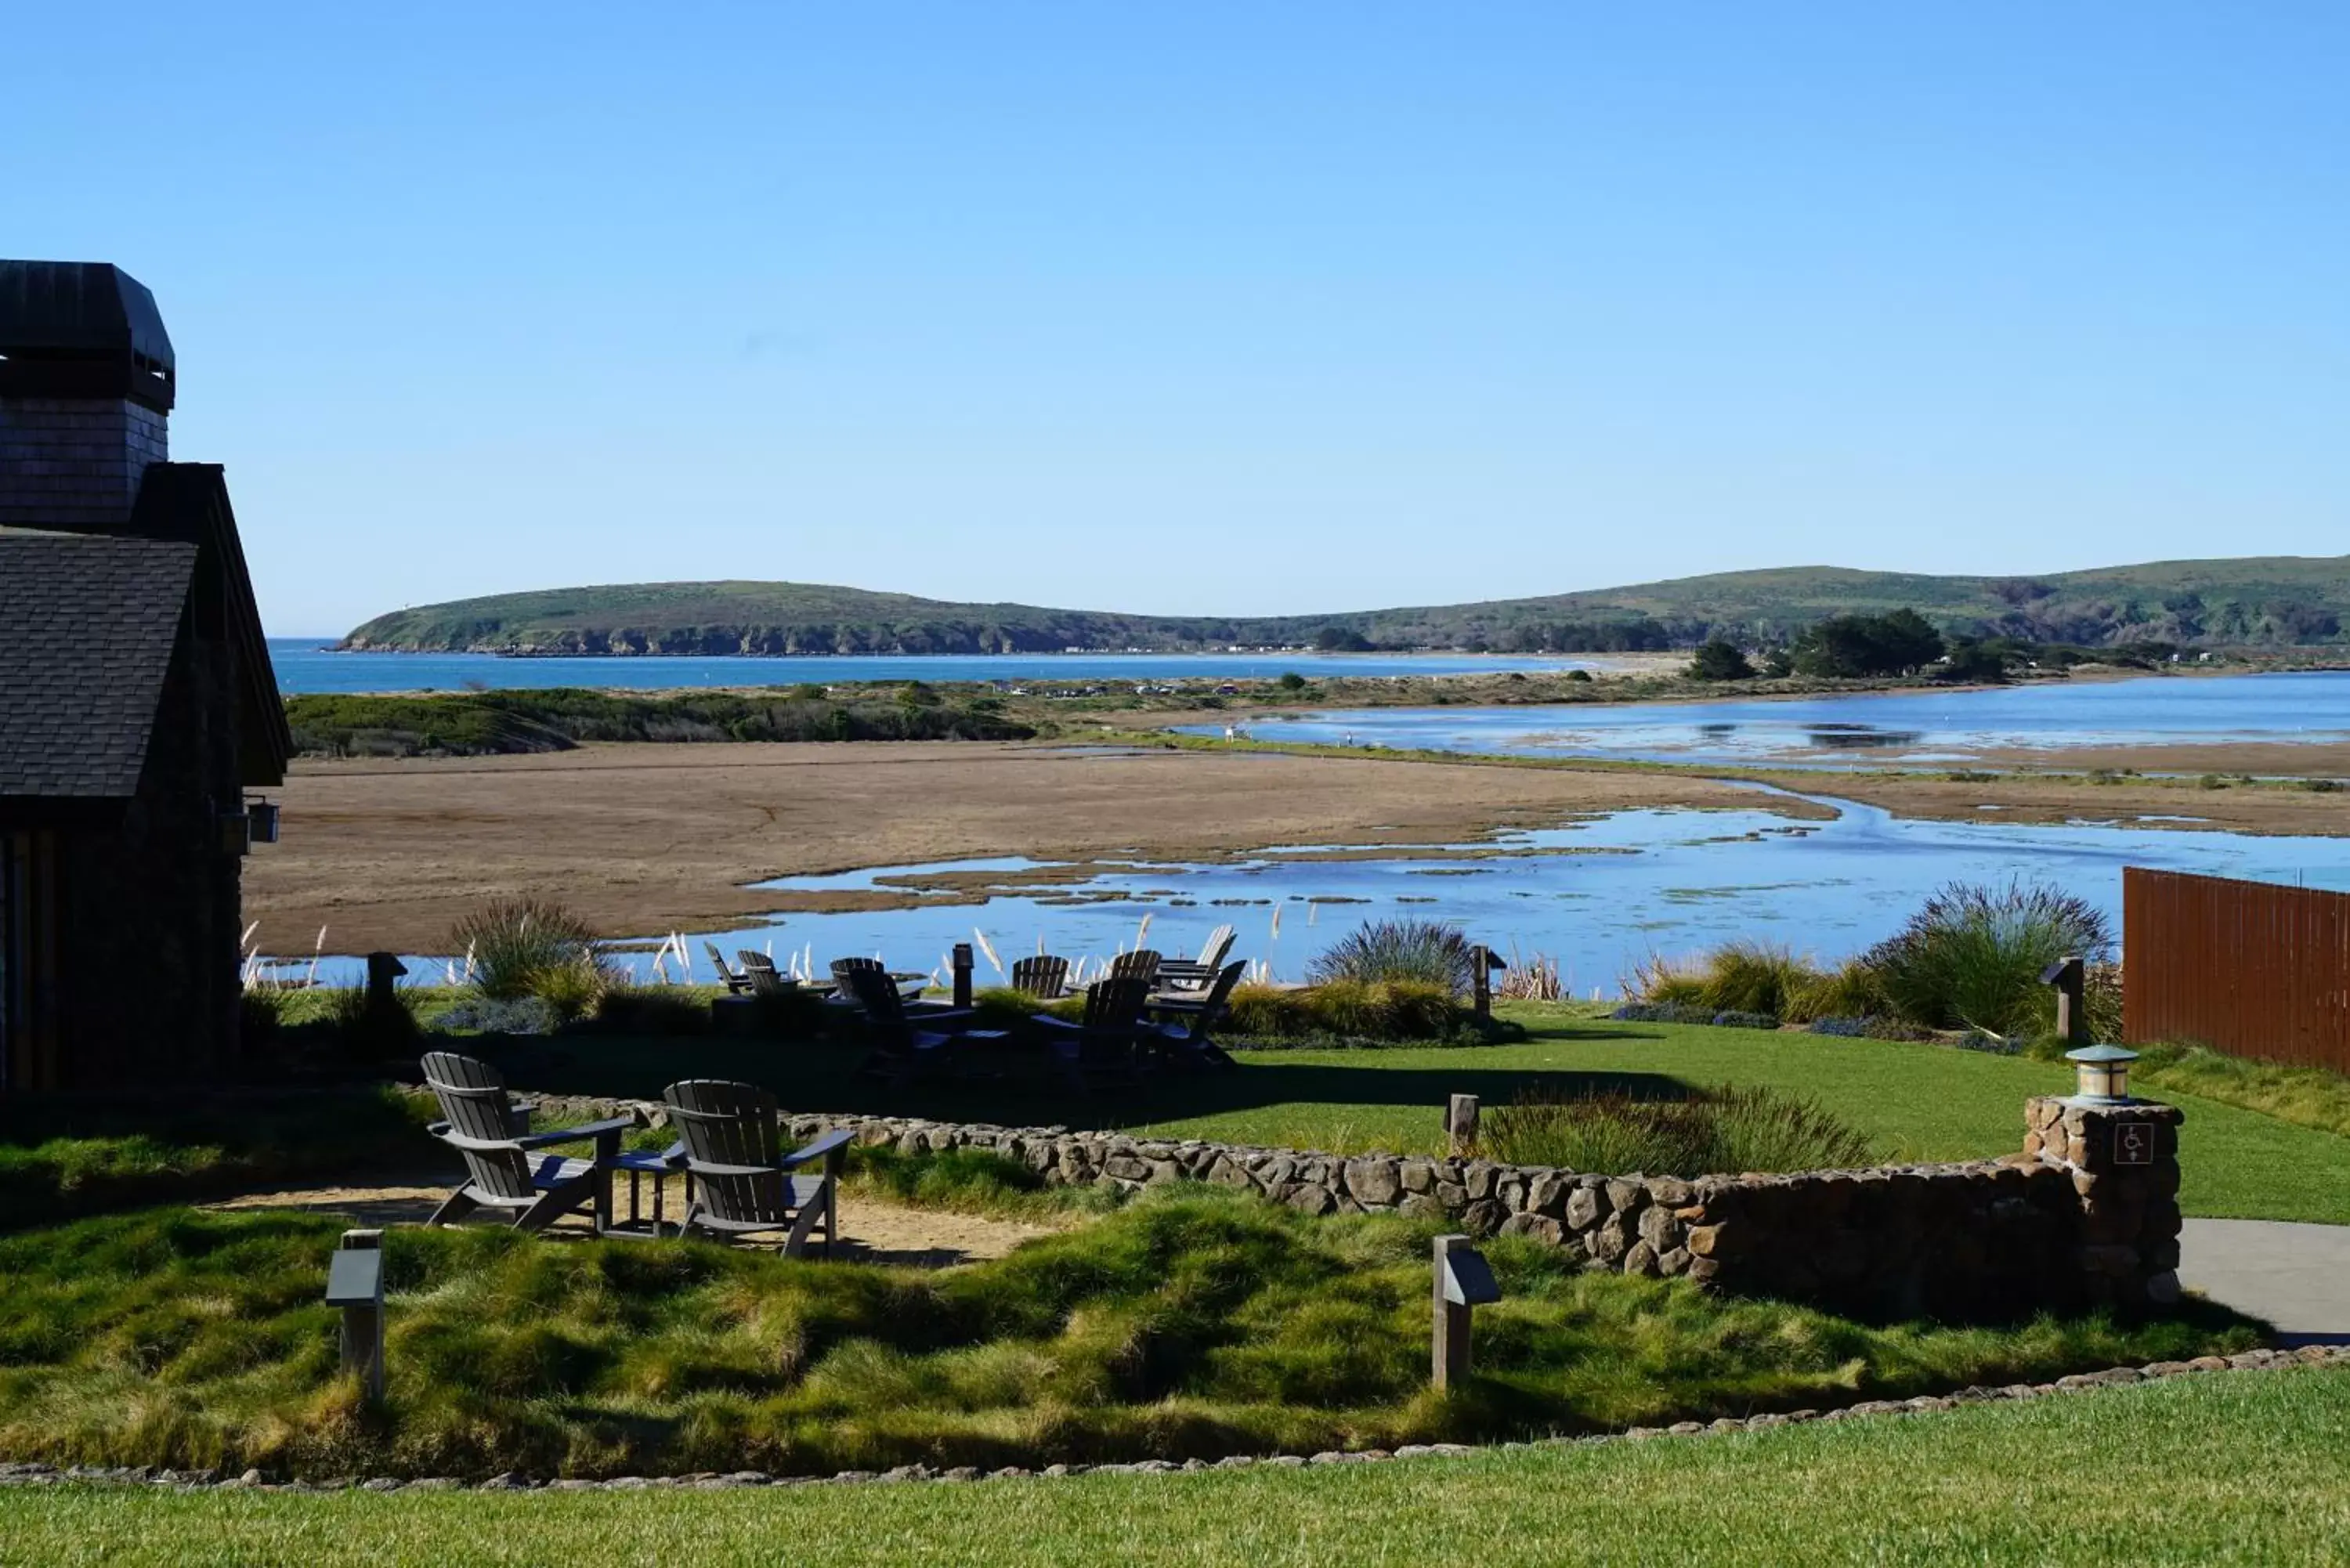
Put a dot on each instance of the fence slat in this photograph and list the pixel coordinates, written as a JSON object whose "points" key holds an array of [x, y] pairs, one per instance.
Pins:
{"points": [[2253, 968]]}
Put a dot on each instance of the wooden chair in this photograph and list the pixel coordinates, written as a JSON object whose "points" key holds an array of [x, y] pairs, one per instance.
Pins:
{"points": [[739, 1183], [505, 1172], [905, 1041], [738, 982], [764, 979], [1044, 976], [1197, 973], [1108, 1045], [1183, 1031], [1141, 964], [908, 986]]}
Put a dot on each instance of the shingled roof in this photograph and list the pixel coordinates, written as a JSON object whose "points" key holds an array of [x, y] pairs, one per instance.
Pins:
{"points": [[86, 628]]}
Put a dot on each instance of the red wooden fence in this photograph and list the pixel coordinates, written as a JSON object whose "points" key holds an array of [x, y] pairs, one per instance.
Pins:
{"points": [[2250, 968]]}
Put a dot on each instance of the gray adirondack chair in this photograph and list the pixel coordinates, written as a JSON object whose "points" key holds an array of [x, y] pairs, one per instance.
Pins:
{"points": [[1042, 976], [759, 973], [505, 1170], [1141, 964], [738, 982], [1183, 1031], [1198, 973], [904, 1040], [1108, 1047], [908, 986], [739, 1181]]}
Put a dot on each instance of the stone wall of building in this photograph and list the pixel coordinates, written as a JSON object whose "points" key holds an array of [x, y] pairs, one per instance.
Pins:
{"points": [[2060, 1224]]}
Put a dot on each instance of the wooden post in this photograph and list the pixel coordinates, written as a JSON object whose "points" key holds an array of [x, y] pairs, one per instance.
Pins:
{"points": [[363, 1323], [963, 967], [1461, 1124], [2070, 977], [1449, 1352], [1481, 984], [383, 970]]}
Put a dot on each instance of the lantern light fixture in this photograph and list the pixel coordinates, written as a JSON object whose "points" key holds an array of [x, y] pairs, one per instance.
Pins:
{"points": [[2102, 1075]]}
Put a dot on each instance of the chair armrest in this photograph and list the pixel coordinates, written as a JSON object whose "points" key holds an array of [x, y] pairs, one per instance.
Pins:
{"points": [[838, 1137], [609, 1128], [438, 1129], [1047, 1021], [522, 1107]]}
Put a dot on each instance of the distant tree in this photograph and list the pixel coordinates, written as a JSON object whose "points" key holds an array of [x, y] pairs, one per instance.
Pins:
{"points": [[1721, 660], [1974, 663], [1341, 639], [1291, 681], [1848, 646]]}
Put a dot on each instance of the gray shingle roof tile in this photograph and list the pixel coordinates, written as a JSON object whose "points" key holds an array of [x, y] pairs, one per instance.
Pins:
{"points": [[87, 627]]}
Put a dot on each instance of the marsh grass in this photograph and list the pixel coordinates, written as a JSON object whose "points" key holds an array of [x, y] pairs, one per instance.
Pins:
{"points": [[1389, 953], [1345, 1009], [1971, 958], [1199, 1324], [1724, 1131], [516, 948]]}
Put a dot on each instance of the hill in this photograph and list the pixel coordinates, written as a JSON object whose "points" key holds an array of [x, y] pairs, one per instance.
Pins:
{"points": [[2264, 601]]}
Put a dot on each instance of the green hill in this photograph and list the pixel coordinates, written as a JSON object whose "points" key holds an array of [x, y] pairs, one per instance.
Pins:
{"points": [[2271, 601]]}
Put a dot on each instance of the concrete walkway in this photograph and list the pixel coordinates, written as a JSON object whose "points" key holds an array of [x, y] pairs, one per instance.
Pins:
{"points": [[2296, 1276]]}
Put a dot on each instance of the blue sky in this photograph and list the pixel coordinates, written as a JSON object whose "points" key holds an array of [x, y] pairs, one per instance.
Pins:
{"points": [[1209, 307]]}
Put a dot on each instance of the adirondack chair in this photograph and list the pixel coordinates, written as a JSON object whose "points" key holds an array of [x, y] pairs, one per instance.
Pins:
{"points": [[505, 1170], [739, 1181], [1108, 1045], [765, 980], [1042, 976], [905, 1041], [1141, 964], [908, 986], [1197, 974], [738, 982], [1183, 1029]]}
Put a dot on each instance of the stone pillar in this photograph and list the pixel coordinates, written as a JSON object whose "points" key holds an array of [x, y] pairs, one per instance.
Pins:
{"points": [[2124, 1162]]}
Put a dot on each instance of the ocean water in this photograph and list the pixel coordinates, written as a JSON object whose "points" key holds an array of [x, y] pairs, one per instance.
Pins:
{"points": [[308, 665], [1866, 730], [1598, 895]]}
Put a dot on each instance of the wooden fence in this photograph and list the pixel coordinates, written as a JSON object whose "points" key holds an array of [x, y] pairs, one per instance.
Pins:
{"points": [[2250, 968]]}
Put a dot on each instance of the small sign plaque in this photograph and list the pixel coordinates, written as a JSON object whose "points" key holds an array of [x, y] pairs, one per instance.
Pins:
{"points": [[2133, 1143]]}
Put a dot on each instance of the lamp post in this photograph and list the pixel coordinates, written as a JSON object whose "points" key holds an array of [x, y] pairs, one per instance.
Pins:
{"points": [[2101, 1075]]}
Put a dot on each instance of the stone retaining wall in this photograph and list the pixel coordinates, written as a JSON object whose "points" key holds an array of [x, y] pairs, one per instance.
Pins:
{"points": [[2059, 1224]]}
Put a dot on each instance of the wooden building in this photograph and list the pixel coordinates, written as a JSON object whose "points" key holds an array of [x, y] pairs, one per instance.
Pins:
{"points": [[138, 707]]}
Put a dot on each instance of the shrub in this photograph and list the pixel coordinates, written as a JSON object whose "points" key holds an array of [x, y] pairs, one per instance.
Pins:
{"points": [[1853, 989], [372, 1030], [652, 1009], [1347, 1010], [1742, 977], [515, 945], [484, 1015], [1973, 957], [1661, 981], [1686, 1012], [1425, 952], [1716, 1131], [571, 991], [1721, 660]]}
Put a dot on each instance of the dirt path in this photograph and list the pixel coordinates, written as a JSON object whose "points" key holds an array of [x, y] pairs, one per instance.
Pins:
{"points": [[871, 1231], [645, 838]]}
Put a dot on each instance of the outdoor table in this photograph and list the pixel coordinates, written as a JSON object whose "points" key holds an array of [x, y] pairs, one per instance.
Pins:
{"points": [[639, 1164]]}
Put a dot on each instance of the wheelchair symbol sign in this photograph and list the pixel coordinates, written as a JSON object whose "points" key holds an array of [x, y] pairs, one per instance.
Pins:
{"points": [[2134, 1143]]}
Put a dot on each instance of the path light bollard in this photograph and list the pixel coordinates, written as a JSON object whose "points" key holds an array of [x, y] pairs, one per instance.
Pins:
{"points": [[2069, 976], [1463, 1280], [1483, 962], [1461, 1125], [355, 1283], [384, 970], [962, 966]]}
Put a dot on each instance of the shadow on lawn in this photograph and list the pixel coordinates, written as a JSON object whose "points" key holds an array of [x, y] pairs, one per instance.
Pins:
{"points": [[1018, 1087]]}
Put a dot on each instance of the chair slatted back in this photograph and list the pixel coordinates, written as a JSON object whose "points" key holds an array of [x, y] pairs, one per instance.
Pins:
{"points": [[473, 1103], [1115, 1004], [760, 971], [718, 963], [1211, 1008], [842, 968], [723, 1124], [1140, 964], [1219, 944], [884, 1008], [1042, 975]]}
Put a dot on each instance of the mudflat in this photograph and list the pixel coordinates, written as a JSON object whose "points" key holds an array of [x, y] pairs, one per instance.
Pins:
{"points": [[645, 838]]}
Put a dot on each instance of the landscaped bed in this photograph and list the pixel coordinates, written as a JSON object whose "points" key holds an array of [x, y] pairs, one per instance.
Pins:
{"points": [[1198, 1324]]}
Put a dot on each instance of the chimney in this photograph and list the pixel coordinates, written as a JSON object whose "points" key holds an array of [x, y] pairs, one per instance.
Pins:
{"points": [[86, 389]]}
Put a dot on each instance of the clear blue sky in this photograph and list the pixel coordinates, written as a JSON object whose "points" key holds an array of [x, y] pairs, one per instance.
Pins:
{"points": [[1208, 306]]}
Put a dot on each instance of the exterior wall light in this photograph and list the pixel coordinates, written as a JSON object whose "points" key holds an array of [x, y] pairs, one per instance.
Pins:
{"points": [[2102, 1073], [261, 817]]}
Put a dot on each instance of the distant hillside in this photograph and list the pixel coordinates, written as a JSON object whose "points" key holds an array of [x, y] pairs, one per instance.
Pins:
{"points": [[2271, 601]]}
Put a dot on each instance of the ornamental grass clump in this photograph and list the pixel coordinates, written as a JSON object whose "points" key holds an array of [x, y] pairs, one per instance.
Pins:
{"points": [[1423, 952], [1722, 1131], [517, 948], [1383, 1010], [1971, 958]]}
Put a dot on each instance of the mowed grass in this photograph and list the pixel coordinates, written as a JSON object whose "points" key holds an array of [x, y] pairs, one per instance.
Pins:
{"points": [[1198, 1322], [2231, 1468], [1912, 1102]]}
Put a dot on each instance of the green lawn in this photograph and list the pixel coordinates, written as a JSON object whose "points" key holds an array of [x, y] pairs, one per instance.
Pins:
{"points": [[1913, 1101], [2237, 1468]]}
